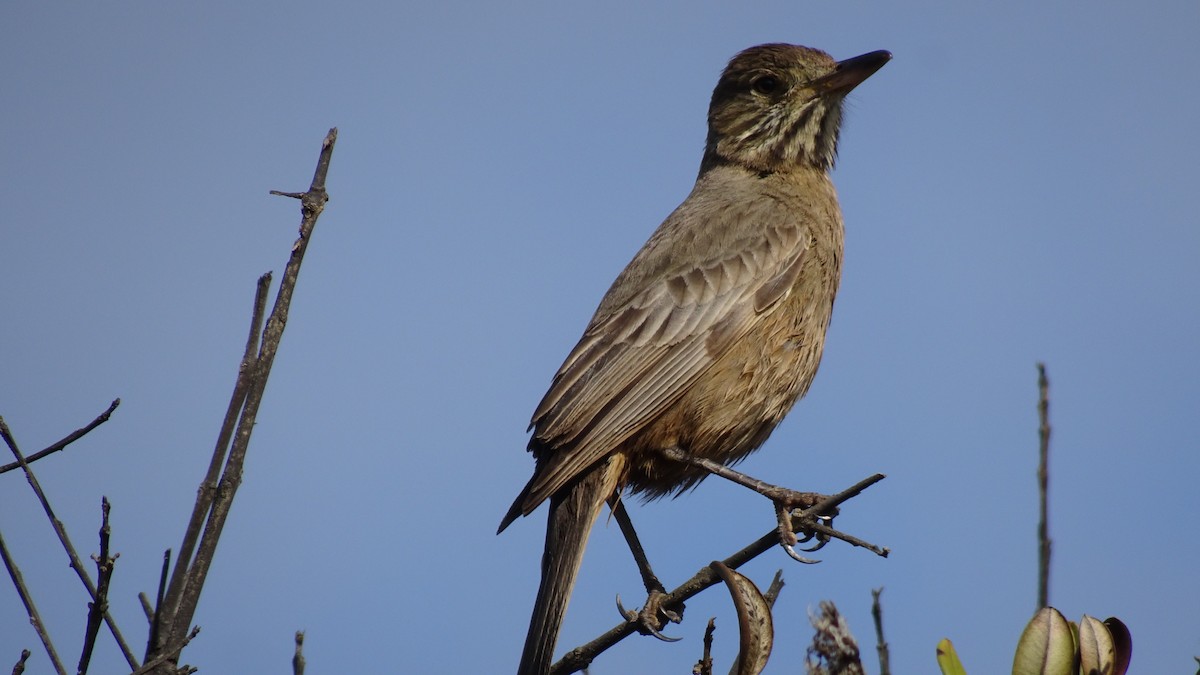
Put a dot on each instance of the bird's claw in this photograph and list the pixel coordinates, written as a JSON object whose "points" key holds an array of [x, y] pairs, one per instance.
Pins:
{"points": [[787, 535], [822, 539], [816, 547], [649, 619], [796, 556]]}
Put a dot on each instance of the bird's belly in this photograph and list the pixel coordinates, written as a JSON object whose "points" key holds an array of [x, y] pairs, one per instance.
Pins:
{"points": [[734, 406]]}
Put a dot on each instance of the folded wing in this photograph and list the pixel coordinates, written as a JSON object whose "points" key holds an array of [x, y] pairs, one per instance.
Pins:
{"points": [[635, 361]]}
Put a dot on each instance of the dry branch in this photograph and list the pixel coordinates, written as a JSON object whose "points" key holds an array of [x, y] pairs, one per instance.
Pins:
{"points": [[298, 657], [804, 521], [19, 667], [705, 665], [61, 530], [69, 439], [35, 619], [98, 607], [174, 614], [881, 645], [178, 594], [1043, 477]]}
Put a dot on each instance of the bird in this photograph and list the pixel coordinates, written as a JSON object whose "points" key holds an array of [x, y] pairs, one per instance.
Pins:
{"points": [[713, 330]]}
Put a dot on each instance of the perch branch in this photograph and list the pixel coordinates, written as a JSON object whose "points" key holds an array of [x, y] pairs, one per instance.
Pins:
{"points": [[804, 521]]}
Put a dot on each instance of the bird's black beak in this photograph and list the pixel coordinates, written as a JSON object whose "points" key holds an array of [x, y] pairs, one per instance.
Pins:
{"points": [[852, 72]]}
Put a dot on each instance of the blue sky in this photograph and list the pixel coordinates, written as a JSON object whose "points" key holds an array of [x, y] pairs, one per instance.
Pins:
{"points": [[1018, 186]]}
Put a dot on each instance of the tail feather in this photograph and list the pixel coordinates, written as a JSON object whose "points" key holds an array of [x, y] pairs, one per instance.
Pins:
{"points": [[572, 513]]}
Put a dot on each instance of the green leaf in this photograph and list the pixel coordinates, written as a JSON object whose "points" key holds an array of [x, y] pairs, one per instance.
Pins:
{"points": [[1096, 651], [947, 659], [1047, 646]]}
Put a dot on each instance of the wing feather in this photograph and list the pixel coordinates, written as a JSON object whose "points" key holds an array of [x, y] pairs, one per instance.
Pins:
{"points": [[633, 362]]}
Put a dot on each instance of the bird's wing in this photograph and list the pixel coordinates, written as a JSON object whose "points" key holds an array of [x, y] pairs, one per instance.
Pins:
{"points": [[635, 361]]}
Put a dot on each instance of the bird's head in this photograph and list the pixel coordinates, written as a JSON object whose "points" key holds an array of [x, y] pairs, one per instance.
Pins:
{"points": [[777, 107]]}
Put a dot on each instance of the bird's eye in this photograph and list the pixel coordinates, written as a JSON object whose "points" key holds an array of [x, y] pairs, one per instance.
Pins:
{"points": [[765, 84]]}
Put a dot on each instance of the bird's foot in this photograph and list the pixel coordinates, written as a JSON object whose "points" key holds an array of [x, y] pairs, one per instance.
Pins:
{"points": [[651, 619], [790, 504]]}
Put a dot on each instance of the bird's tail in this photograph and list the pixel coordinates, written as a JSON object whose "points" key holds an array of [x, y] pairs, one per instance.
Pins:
{"points": [[572, 513]]}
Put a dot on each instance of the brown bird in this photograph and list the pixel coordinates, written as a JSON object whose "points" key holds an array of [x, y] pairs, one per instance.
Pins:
{"points": [[713, 330]]}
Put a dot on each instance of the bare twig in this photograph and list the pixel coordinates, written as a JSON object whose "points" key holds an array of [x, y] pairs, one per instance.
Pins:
{"points": [[19, 667], [35, 619], [823, 529], [97, 608], [774, 589], [147, 608], [154, 614], [61, 530], [881, 645], [705, 665], [208, 487], [1043, 477], [805, 521], [71, 438], [298, 657], [169, 655], [213, 505]]}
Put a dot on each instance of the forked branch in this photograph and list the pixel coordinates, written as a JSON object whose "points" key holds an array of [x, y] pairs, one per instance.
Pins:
{"points": [[174, 615], [61, 531]]}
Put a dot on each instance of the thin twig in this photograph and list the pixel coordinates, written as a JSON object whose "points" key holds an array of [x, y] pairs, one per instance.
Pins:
{"points": [[71, 438], [155, 614], [881, 645], [821, 528], [61, 530], [19, 667], [298, 657], [1043, 477], [147, 608], [579, 657], [705, 665], [35, 619], [774, 589], [97, 608]]}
